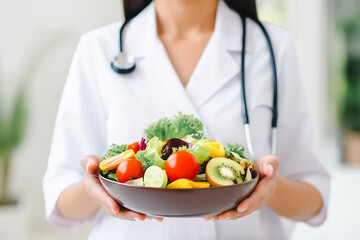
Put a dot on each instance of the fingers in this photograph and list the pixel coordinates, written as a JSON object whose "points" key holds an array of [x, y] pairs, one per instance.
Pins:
{"points": [[229, 215], [133, 216], [248, 206], [212, 218], [159, 219], [90, 163], [267, 165], [130, 215], [262, 193], [96, 191]]}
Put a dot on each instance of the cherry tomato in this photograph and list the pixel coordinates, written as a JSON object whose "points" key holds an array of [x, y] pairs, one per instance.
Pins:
{"points": [[134, 146], [130, 168], [181, 165]]}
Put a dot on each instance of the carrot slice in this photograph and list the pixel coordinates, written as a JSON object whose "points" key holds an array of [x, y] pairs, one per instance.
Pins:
{"points": [[114, 162]]}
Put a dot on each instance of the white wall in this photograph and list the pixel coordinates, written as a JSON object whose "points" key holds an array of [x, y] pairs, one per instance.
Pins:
{"points": [[26, 30], [309, 21]]}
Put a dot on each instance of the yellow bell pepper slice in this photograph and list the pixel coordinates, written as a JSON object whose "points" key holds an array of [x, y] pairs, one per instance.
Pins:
{"points": [[180, 183], [216, 149], [186, 183], [200, 184]]}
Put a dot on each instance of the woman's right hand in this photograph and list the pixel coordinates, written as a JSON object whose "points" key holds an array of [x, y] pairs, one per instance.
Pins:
{"points": [[96, 191]]}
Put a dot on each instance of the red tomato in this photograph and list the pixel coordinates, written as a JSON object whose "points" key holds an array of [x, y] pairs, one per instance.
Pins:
{"points": [[181, 165], [130, 168], [134, 146]]}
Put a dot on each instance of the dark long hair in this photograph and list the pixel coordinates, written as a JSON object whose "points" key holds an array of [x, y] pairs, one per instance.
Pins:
{"points": [[243, 7]]}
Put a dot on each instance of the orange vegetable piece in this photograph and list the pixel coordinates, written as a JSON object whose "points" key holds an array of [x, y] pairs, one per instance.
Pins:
{"points": [[114, 162]]}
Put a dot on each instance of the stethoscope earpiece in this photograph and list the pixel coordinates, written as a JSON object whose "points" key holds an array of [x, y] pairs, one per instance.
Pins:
{"points": [[123, 63]]}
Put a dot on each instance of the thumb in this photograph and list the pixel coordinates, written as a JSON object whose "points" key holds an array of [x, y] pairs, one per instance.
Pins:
{"points": [[90, 163], [267, 165]]}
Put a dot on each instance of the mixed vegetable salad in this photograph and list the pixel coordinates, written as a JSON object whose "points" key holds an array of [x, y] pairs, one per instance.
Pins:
{"points": [[176, 154]]}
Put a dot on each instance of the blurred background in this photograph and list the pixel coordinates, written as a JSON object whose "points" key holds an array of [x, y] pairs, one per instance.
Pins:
{"points": [[37, 42]]}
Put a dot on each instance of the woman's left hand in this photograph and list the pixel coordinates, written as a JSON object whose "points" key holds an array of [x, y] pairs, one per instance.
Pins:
{"points": [[266, 166]]}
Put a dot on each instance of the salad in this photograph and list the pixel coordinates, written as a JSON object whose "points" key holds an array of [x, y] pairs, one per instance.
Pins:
{"points": [[176, 154]]}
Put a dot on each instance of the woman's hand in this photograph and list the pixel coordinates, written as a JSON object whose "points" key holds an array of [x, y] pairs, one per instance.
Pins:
{"points": [[95, 190], [266, 166]]}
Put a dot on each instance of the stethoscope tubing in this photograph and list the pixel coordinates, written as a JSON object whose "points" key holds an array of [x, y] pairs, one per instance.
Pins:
{"points": [[121, 34], [274, 109], [245, 115]]}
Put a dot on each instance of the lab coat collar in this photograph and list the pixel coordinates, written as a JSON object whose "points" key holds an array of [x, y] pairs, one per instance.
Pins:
{"points": [[141, 33], [228, 27], [214, 70], [218, 64]]}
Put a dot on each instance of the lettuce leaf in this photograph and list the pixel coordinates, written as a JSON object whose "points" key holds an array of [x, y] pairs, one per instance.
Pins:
{"points": [[150, 157], [155, 143], [178, 127], [115, 150], [236, 148], [109, 174], [189, 139], [200, 151]]}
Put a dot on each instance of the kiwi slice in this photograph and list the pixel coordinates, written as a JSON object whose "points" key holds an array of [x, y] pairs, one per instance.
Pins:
{"points": [[223, 172]]}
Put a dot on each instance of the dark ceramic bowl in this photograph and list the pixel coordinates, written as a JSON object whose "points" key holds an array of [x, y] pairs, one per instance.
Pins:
{"points": [[166, 202]]}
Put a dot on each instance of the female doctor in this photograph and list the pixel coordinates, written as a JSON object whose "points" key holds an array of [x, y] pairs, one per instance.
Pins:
{"points": [[188, 58]]}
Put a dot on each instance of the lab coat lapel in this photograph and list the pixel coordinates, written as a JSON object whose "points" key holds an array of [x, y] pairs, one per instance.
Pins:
{"points": [[168, 95], [216, 67], [168, 86], [220, 61], [214, 70]]}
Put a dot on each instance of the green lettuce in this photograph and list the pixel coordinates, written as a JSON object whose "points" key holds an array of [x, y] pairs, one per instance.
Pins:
{"points": [[200, 151], [178, 127], [234, 148], [115, 150], [111, 174], [155, 143], [151, 155]]}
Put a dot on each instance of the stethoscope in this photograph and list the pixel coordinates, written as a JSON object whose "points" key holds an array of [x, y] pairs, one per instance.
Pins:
{"points": [[124, 63]]}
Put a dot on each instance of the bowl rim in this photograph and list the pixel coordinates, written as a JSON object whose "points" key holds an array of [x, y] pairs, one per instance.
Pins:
{"points": [[256, 179]]}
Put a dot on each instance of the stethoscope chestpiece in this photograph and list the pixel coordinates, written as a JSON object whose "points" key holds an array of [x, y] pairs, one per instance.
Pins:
{"points": [[123, 63]]}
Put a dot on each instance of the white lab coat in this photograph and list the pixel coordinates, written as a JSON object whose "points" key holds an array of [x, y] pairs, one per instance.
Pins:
{"points": [[100, 107]]}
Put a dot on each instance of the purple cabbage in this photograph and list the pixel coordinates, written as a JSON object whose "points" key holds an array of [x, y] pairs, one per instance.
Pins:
{"points": [[142, 145], [173, 143]]}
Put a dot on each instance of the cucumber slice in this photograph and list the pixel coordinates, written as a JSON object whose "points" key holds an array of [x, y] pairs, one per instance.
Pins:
{"points": [[137, 182], [155, 177]]}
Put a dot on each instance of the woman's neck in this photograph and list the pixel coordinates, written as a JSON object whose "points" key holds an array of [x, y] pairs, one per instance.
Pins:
{"points": [[184, 17]]}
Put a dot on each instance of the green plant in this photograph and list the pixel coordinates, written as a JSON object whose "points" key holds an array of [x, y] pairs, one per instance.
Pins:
{"points": [[13, 124], [12, 131], [350, 106], [351, 114]]}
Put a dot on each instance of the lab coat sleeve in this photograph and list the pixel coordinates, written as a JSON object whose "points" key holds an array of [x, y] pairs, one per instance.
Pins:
{"points": [[80, 129], [297, 149]]}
